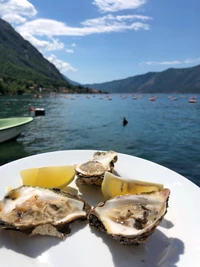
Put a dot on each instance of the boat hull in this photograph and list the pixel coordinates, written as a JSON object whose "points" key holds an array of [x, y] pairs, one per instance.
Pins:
{"points": [[12, 132]]}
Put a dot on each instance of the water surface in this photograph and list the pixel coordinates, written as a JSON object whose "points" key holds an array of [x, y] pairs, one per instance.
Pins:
{"points": [[164, 131]]}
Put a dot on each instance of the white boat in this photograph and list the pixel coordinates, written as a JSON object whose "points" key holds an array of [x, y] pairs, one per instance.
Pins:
{"points": [[11, 128], [192, 99]]}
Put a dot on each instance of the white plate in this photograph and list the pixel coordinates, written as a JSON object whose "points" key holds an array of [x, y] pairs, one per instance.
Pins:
{"points": [[174, 243]]}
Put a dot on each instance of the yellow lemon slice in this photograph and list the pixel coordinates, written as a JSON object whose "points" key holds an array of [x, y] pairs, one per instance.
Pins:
{"points": [[52, 176], [114, 186]]}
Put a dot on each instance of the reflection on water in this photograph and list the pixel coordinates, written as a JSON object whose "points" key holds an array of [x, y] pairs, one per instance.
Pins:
{"points": [[12, 150], [164, 131]]}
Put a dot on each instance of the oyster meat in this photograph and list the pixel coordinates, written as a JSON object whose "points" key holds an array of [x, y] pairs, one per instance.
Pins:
{"points": [[130, 219], [92, 171], [37, 210]]}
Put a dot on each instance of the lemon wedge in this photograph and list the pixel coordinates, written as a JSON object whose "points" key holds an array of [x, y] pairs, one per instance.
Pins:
{"points": [[114, 186], [51, 176]]}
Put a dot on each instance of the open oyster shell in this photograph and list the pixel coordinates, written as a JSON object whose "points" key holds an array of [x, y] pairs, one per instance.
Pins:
{"points": [[92, 171], [130, 219], [37, 210]]}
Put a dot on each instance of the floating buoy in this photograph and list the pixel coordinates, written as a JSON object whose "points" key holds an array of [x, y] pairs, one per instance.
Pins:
{"points": [[31, 109], [125, 121]]}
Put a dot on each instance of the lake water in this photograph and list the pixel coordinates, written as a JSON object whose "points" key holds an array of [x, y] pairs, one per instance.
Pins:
{"points": [[163, 131]]}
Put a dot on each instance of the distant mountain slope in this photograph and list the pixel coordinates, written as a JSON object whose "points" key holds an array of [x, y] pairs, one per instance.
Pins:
{"points": [[70, 81], [22, 65], [185, 80], [18, 57]]}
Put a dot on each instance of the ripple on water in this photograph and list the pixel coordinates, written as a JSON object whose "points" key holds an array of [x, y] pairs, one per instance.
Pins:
{"points": [[166, 132]]}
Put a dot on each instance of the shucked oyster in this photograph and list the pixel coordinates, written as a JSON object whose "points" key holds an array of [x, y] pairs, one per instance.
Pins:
{"points": [[92, 171], [36, 210], [130, 219]]}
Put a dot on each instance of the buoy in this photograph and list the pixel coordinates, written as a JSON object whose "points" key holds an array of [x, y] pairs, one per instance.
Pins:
{"points": [[31, 109], [125, 121]]}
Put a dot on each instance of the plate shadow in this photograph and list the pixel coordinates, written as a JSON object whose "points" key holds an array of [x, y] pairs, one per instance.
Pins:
{"points": [[158, 251], [33, 246]]}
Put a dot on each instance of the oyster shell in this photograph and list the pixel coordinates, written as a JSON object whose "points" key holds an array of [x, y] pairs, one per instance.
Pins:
{"points": [[37, 210], [92, 171], [130, 219]]}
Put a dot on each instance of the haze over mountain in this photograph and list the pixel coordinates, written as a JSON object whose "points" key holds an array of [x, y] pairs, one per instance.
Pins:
{"points": [[184, 80], [70, 81]]}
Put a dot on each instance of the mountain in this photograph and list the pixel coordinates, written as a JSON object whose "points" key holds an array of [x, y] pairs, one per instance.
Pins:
{"points": [[70, 81], [185, 80], [22, 65]]}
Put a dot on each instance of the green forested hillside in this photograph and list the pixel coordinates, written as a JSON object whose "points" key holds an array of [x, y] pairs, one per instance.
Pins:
{"points": [[22, 65], [172, 80]]}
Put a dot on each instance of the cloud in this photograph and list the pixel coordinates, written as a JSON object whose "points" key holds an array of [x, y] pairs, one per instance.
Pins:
{"points": [[43, 45], [61, 65], [117, 5], [42, 32], [110, 20], [190, 61], [133, 17], [69, 50], [106, 24], [18, 9], [174, 62], [13, 18]]}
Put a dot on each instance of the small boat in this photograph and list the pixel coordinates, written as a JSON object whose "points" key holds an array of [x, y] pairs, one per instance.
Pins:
{"points": [[11, 128], [192, 100], [152, 98]]}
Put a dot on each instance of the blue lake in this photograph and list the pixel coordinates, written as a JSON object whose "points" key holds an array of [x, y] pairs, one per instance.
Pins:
{"points": [[163, 131]]}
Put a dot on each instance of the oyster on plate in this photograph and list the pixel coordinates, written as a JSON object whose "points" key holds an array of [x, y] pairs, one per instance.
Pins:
{"points": [[92, 171], [37, 210], [130, 219]]}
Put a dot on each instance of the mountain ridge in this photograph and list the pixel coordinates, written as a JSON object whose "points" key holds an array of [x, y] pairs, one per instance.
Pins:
{"points": [[171, 80], [70, 81], [23, 52], [23, 67]]}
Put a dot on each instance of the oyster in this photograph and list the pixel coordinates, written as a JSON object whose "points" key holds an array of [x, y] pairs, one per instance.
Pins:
{"points": [[37, 210], [92, 171], [130, 219]]}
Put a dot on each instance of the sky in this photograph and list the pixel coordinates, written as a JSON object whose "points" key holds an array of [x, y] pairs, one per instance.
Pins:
{"points": [[94, 41]]}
